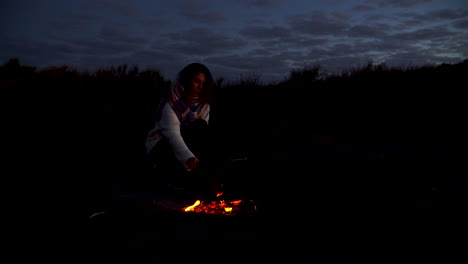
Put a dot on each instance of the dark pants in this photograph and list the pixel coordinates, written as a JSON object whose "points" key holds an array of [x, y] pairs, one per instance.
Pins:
{"points": [[199, 139]]}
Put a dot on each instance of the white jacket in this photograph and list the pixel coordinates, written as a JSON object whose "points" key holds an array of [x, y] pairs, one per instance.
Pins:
{"points": [[169, 127]]}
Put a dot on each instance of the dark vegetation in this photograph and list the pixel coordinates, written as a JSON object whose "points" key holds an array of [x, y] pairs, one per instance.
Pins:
{"points": [[89, 128], [375, 141]]}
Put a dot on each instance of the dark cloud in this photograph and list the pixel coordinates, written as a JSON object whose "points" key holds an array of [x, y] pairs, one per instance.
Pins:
{"points": [[260, 52], [265, 32], [376, 17], [410, 19], [356, 47], [244, 62], [402, 3], [407, 22], [447, 14], [122, 34], [97, 47], [384, 45], [460, 46], [406, 59], [371, 5], [317, 23], [40, 53], [203, 41], [340, 17], [208, 17], [257, 20], [169, 63], [192, 11], [125, 9], [69, 24], [318, 52], [153, 23], [462, 24], [370, 30], [120, 8], [336, 64], [429, 33], [18, 47], [104, 62], [112, 40], [340, 49], [271, 67], [364, 7], [386, 49], [294, 42], [158, 55], [262, 3]]}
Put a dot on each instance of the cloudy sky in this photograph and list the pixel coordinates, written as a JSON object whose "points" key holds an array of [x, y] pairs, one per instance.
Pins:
{"points": [[234, 38]]}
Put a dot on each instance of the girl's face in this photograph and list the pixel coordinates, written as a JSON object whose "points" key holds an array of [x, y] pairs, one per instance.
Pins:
{"points": [[197, 84]]}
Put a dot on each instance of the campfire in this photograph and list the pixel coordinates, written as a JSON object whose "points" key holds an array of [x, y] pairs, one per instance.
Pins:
{"points": [[221, 207]]}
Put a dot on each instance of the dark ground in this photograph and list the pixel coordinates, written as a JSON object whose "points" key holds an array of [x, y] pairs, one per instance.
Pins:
{"points": [[379, 203]]}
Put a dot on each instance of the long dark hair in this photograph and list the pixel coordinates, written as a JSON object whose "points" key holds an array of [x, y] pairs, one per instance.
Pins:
{"points": [[185, 77]]}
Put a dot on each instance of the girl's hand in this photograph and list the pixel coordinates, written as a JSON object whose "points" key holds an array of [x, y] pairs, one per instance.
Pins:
{"points": [[192, 163]]}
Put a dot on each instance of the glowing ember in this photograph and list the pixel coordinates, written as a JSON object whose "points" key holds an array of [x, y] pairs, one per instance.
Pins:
{"points": [[221, 207], [191, 208]]}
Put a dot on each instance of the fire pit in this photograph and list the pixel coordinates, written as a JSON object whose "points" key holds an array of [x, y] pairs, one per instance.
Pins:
{"points": [[218, 206], [222, 207]]}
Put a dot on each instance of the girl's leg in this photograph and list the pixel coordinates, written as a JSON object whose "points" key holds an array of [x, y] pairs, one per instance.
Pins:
{"points": [[199, 139], [162, 162]]}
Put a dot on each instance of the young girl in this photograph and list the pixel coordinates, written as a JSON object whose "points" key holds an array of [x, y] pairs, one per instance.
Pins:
{"points": [[180, 142]]}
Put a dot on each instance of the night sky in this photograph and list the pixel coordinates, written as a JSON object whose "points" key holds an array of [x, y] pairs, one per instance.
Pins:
{"points": [[234, 38]]}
